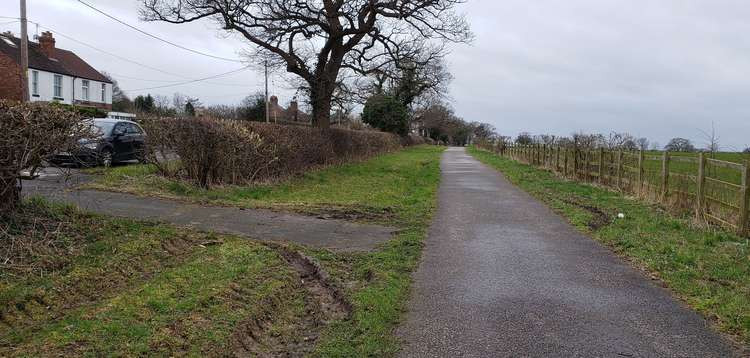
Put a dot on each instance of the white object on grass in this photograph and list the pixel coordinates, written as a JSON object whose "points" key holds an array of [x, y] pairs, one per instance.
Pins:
{"points": [[621, 216]]}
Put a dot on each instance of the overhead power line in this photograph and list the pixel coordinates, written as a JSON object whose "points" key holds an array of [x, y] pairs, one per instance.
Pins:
{"points": [[107, 52], [192, 81], [172, 81], [157, 37]]}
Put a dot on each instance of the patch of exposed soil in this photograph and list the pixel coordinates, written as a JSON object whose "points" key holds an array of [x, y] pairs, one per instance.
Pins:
{"points": [[356, 213], [280, 334], [600, 217]]}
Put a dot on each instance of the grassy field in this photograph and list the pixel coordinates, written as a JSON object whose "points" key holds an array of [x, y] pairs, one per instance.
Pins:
{"points": [[125, 288], [689, 168], [709, 269]]}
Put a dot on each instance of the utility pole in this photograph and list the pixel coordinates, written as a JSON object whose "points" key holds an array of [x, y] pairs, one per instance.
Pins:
{"points": [[24, 55], [267, 109]]}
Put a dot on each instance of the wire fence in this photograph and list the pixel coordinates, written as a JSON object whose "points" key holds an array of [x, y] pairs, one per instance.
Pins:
{"points": [[715, 190]]}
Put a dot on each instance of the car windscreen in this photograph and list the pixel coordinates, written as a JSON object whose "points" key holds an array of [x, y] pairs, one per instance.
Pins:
{"points": [[103, 128]]}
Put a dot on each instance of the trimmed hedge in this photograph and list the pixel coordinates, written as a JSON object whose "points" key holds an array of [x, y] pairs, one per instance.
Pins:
{"points": [[217, 151], [29, 133]]}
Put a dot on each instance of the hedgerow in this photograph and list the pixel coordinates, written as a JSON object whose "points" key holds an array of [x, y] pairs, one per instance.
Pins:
{"points": [[218, 151]]}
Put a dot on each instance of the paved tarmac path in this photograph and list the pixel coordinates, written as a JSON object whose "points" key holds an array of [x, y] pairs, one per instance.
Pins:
{"points": [[504, 276], [257, 224]]}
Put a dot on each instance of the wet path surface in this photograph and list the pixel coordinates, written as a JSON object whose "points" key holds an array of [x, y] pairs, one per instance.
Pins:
{"points": [[257, 224], [504, 276]]}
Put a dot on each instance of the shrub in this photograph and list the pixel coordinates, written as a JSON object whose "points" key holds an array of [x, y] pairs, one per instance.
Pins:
{"points": [[215, 151], [387, 114], [85, 112], [28, 134], [412, 140]]}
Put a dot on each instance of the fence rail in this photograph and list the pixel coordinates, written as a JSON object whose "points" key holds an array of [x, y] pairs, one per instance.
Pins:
{"points": [[717, 191]]}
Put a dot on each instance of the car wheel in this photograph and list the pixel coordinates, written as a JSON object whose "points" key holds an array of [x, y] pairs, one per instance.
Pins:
{"points": [[140, 156], [105, 158]]}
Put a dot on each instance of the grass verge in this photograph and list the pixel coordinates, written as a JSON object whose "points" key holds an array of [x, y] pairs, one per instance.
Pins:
{"points": [[708, 268], [128, 287], [119, 287]]}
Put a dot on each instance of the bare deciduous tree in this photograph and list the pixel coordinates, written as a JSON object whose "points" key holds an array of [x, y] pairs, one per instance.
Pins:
{"points": [[642, 143], [317, 39], [679, 145], [621, 141], [712, 139]]}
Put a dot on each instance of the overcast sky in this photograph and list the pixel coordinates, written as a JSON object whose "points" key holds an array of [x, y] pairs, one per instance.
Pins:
{"points": [[659, 69]]}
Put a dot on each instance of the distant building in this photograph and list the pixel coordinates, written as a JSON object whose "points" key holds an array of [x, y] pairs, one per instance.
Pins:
{"points": [[278, 113], [54, 74]]}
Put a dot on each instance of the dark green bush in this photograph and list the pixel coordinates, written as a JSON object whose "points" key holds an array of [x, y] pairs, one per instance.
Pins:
{"points": [[387, 114]]}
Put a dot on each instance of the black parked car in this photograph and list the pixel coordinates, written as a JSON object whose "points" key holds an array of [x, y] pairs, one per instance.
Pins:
{"points": [[118, 141]]}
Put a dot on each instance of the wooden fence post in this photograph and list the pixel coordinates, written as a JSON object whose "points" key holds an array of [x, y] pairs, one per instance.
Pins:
{"points": [[557, 159], [700, 192], [744, 199], [587, 167], [640, 173], [601, 165], [665, 176], [565, 162], [575, 159], [527, 155], [530, 154], [538, 155], [544, 155], [619, 169]]}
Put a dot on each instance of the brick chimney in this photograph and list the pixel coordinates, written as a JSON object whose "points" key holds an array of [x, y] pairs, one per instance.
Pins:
{"points": [[47, 44], [294, 109]]}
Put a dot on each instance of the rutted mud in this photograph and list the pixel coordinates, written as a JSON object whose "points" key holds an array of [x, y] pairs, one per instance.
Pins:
{"points": [[599, 219], [323, 304], [356, 213]]}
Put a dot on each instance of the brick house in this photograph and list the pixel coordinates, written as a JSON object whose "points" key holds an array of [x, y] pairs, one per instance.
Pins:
{"points": [[278, 113], [54, 74]]}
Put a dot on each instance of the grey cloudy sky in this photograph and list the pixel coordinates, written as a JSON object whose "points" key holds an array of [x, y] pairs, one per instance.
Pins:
{"points": [[658, 69]]}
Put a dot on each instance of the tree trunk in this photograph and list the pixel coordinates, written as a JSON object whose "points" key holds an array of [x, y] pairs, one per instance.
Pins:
{"points": [[321, 112], [9, 193], [321, 98]]}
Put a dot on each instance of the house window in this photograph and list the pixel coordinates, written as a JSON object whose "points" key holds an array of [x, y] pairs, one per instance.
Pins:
{"points": [[35, 83], [104, 92], [57, 86], [85, 89]]}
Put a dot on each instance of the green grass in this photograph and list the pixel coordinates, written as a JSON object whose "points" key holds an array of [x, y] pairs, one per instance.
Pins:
{"points": [[122, 293], [367, 187], [709, 269], [131, 288], [689, 168]]}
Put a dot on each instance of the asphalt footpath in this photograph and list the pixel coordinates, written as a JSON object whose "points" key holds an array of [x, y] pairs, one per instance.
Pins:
{"points": [[504, 276], [265, 225]]}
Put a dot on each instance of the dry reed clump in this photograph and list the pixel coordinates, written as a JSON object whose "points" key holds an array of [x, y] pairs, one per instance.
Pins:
{"points": [[216, 151]]}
